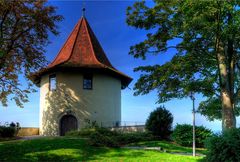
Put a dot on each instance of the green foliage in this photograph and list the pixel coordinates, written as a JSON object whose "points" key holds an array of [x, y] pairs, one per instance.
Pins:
{"points": [[159, 123], [127, 138], [9, 130], [172, 20], [211, 108], [103, 138], [224, 147], [98, 136], [106, 131], [85, 132], [183, 135], [25, 27], [1, 54], [6, 131], [202, 35], [106, 137], [90, 124]]}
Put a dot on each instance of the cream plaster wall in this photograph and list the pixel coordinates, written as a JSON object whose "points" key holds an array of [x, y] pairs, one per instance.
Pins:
{"points": [[101, 104]]}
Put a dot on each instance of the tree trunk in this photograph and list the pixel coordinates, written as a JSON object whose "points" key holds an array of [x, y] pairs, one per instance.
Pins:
{"points": [[226, 61], [228, 116], [226, 75]]}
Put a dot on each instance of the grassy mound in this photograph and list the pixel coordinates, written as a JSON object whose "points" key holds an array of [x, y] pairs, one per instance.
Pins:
{"points": [[77, 149]]}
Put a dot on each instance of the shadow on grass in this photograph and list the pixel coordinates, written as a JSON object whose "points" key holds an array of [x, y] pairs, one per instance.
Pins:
{"points": [[202, 160], [59, 149]]}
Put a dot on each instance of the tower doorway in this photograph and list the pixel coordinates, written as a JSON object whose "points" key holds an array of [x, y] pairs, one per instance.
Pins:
{"points": [[67, 123]]}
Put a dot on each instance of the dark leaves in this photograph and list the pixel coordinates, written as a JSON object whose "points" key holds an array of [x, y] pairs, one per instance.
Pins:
{"points": [[194, 26], [176, 78], [24, 31]]}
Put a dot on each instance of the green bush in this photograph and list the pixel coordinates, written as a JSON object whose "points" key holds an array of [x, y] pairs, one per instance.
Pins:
{"points": [[106, 137], [7, 131], [183, 135], [224, 147], [107, 132], [126, 138], [101, 137], [97, 136], [85, 132], [159, 123], [98, 139]]}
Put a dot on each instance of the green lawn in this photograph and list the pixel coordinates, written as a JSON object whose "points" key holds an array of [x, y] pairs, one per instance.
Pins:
{"points": [[76, 149]]}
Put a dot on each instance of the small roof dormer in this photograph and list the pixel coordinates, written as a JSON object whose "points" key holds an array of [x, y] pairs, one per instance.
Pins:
{"points": [[82, 51]]}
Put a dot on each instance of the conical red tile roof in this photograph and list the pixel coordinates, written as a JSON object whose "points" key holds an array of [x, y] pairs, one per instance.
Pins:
{"points": [[82, 48], [82, 51]]}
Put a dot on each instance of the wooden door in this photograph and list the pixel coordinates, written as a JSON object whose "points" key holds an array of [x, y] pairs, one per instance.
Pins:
{"points": [[67, 123]]}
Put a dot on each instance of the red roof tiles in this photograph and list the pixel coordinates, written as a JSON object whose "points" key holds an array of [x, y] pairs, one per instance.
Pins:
{"points": [[82, 50]]}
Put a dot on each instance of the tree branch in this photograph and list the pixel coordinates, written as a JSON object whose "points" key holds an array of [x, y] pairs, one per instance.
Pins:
{"points": [[1, 24]]}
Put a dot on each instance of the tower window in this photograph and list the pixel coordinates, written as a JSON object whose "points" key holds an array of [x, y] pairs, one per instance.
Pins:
{"points": [[87, 82], [52, 82]]}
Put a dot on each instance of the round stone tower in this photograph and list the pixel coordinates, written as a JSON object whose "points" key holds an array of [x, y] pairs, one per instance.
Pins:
{"points": [[80, 87]]}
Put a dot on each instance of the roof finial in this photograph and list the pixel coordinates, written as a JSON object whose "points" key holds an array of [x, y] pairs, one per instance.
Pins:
{"points": [[83, 9], [83, 12]]}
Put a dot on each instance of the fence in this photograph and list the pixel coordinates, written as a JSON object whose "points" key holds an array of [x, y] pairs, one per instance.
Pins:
{"points": [[121, 123], [125, 126], [128, 129]]}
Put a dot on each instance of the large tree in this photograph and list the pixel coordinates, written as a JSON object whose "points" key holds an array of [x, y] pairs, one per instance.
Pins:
{"points": [[25, 26], [206, 36]]}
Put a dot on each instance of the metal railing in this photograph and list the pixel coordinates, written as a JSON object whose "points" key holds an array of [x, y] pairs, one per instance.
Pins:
{"points": [[121, 123]]}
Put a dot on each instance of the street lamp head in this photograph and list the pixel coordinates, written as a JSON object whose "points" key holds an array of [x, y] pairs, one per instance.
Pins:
{"points": [[191, 95]]}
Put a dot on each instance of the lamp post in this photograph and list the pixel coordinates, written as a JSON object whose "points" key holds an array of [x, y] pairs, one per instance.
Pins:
{"points": [[193, 113]]}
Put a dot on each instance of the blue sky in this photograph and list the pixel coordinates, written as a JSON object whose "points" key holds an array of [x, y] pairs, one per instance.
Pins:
{"points": [[108, 21]]}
